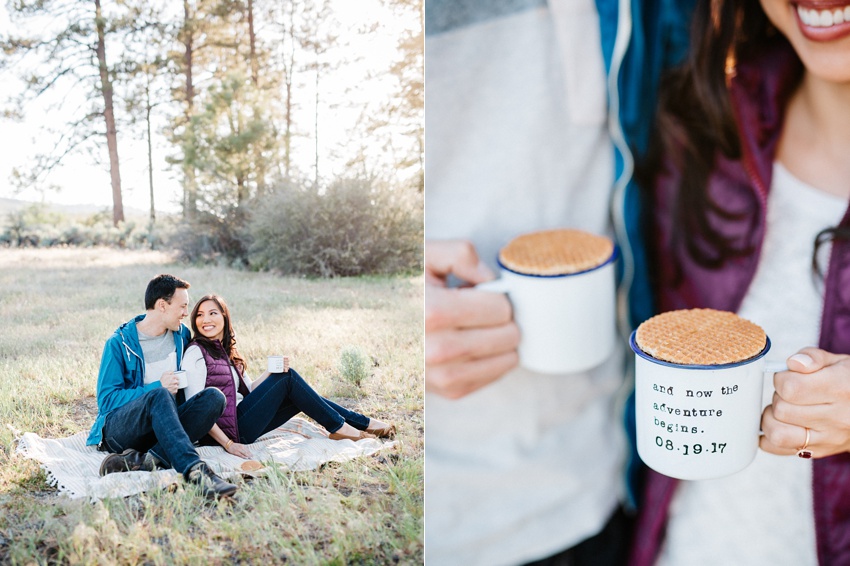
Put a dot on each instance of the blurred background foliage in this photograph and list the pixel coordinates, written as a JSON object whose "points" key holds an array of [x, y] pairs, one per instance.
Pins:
{"points": [[220, 81]]}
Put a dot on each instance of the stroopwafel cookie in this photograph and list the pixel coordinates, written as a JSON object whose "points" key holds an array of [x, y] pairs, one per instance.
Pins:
{"points": [[556, 252], [700, 337]]}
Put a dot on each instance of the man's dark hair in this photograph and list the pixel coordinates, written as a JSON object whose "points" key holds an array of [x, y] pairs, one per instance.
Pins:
{"points": [[162, 287]]}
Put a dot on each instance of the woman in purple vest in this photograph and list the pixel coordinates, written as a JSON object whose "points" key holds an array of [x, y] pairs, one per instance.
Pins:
{"points": [[259, 406], [749, 214]]}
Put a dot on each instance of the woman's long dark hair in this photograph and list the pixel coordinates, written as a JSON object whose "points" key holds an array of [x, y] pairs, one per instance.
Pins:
{"points": [[696, 121], [228, 340]]}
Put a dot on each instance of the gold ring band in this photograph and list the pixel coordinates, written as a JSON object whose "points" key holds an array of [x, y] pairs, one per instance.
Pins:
{"points": [[802, 452]]}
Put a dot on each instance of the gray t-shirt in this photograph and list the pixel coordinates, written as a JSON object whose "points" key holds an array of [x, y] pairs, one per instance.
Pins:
{"points": [[159, 353]]}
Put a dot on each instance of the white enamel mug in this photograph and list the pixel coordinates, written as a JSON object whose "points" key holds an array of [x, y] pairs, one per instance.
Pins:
{"points": [[182, 380], [567, 323], [278, 364], [698, 422], [275, 364]]}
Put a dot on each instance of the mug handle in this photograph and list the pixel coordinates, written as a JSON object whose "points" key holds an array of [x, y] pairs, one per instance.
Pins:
{"points": [[775, 367], [494, 286]]}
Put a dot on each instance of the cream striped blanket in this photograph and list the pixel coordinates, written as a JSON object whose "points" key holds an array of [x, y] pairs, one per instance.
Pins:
{"points": [[298, 445]]}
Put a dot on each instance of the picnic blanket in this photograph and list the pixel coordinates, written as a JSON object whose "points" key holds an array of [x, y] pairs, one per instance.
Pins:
{"points": [[298, 445]]}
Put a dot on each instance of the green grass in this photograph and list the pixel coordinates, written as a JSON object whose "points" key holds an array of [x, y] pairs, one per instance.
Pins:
{"points": [[58, 306]]}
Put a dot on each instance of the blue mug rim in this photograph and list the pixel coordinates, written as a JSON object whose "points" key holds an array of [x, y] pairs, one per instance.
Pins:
{"points": [[649, 358], [612, 258]]}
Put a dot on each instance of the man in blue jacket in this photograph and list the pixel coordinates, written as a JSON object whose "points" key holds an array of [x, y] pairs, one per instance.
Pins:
{"points": [[139, 420]]}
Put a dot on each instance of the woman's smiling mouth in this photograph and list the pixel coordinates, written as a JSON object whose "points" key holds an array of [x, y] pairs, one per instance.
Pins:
{"points": [[826, 23]]}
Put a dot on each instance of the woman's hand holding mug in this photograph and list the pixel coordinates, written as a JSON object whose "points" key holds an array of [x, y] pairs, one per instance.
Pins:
{"points": [[813, 394]]}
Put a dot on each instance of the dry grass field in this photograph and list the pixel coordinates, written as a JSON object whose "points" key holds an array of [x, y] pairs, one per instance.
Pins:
{"points": [[58, 306]]}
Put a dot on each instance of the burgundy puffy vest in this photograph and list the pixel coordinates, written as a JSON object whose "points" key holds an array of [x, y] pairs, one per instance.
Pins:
{"points": [[220, 377]]}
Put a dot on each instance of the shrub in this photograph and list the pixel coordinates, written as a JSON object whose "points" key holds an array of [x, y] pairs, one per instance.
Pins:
{"points": [[37, 226], [352, 365], [214, 235], [351, 229], [33, 225]]}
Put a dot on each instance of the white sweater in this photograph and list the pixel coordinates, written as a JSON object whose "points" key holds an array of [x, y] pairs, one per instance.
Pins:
{"points": [[196, 373]]}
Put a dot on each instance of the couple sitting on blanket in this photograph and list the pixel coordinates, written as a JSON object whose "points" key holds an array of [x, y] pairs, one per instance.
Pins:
{"points": [[143, 425]]}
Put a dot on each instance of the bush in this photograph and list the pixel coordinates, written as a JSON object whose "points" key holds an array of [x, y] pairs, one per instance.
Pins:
{"points": [[31, 226], [351, 229], [219, 236], [352, 365], [37, 226]]}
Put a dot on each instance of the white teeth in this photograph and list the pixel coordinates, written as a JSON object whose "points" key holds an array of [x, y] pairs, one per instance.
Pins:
{"points": [[823, 18]]}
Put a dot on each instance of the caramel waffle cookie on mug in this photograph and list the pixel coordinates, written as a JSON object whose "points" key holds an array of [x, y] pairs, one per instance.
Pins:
{"points": [[556, 252], [700, 337]]}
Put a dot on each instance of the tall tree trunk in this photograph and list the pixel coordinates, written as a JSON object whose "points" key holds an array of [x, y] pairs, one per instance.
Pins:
{"points": [[148, 109], [289, 70], [109, 116], [241, 190], [316, 125], [255, 72], [257, 153], [190, 190], [287, 138]]}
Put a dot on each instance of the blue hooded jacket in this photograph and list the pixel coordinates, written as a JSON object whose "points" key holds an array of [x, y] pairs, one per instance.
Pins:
{"points": [[640, 40], [121, 378]]}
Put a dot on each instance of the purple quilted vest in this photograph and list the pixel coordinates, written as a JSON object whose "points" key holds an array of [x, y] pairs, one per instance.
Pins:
{"points": [[758, 94], [220, 377]]}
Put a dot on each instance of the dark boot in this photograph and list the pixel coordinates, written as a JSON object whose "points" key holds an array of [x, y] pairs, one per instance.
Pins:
{"points": [[211, 485], [129, 460]]}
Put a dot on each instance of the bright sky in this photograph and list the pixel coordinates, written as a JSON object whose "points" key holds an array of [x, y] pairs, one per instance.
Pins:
{"points": [[83, 181]]}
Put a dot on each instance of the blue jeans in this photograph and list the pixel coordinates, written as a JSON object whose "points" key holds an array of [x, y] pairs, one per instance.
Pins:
{"points": [[282, 396], [154, 423]]}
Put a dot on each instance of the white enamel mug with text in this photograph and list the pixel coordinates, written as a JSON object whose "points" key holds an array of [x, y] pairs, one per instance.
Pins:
{"points": [[698, 422], [567, 323]]}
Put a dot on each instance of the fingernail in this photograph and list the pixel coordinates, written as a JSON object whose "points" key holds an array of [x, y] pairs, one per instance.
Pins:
{"points": [[803, 359]]}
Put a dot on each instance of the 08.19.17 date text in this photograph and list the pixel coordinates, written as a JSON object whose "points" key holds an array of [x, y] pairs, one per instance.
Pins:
{"points": [[691, 449]]}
